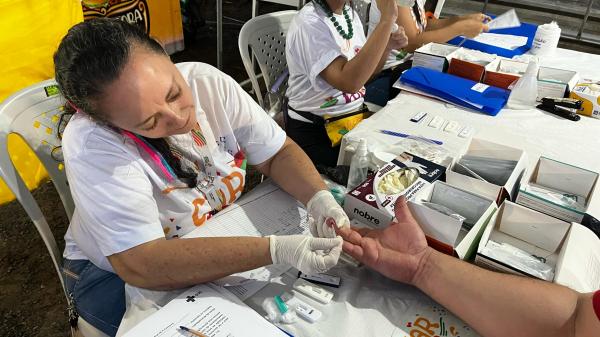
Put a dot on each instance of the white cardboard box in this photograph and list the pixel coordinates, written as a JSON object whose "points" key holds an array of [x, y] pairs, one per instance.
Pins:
{"points": [[483, 148], [434, 56], [552, 82], [367, 202], [572, 249], [562, 177], [444, 232]]}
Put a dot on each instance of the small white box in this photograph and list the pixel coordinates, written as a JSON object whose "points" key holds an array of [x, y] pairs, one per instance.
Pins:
{"points": [[556, 82], [445, 232], [434, 56], [574, 182], [572, 249], [483, 148]]}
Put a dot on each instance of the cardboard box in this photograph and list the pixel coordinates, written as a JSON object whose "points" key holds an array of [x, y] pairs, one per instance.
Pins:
{"points": [[483, 148], [446, 233], [551, 82], [572, 249], [589, 93], [434, 56], [372, 202], [496, 74], [469, 64], [554, 82], [573, 182]]}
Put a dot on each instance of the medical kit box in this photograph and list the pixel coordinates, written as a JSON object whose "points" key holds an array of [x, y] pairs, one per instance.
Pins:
{"points": [[569, 251], [433, 56], [558, 189], [469, 64], [453, 220], [372, 202], [552, 82], [589, 93], [494, 181], [502, 72]]}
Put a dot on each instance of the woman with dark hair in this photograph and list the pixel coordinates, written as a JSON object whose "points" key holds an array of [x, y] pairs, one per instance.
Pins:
{"points": [[330, 60], [153, 151]]}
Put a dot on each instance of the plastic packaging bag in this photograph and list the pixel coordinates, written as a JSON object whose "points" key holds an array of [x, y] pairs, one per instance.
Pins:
{"points": [[496, 171], [523, 95], [507, 20], [519, 259]]}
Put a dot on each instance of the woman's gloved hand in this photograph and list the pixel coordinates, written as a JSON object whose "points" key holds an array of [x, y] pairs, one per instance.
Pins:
{"points": [[307, 254], [325, 213]]}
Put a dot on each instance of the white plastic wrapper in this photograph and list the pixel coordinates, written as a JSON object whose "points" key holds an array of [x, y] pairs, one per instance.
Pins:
{"points": [[519, 259], [506, 20]]}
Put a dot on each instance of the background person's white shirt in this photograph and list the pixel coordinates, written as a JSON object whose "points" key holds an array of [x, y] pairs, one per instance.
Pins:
{"points": [[395, 57], [312, 43], [122, 200]]}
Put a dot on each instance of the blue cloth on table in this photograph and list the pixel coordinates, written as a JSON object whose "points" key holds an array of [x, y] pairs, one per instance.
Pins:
{"points": [[467, 93]]}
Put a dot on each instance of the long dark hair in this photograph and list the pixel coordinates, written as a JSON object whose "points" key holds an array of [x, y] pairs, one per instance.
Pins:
{"points": [[90, 57]]}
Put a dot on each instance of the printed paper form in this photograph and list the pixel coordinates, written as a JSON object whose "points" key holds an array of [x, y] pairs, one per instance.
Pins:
{"points": [[504, 41], [267, 210], [208, 309]]}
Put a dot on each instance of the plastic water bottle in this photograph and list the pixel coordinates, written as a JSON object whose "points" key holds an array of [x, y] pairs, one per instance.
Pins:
{"points": [[524, 94], [359, 166]]}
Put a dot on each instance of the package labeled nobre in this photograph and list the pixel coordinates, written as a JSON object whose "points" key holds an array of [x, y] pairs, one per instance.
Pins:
{"points": [[489, 169], [372, 202], [558, 189], [589, 93], [453, 219], [522, 241], [434, 56]]}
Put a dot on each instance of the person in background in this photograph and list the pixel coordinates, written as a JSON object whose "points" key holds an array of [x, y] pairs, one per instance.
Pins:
{"points": [[421, 30], [494, 304], [330, 60], [152, 151]]}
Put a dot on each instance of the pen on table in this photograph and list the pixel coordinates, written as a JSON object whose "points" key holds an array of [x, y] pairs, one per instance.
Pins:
{"points": [[192, 331], [285, 332], [404, 135]]}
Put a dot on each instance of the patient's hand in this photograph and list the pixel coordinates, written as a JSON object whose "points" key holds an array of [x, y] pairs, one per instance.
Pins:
{"points": [[396, 251]]}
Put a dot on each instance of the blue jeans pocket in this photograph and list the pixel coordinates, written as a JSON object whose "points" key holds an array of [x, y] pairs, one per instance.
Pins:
{"points": [[99, 295]]}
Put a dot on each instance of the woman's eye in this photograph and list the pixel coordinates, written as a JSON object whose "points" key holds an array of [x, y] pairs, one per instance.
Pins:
{"points": [[154, 121], [174, 96]]}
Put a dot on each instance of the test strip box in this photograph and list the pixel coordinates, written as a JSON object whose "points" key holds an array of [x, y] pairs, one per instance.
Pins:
{"points": [[446, 233], [572, 249], [371, 202], [574, 181], [434, 56], [484, 148]]}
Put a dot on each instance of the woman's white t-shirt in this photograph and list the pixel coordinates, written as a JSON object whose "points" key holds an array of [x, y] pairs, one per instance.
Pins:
{"points": [[312, 43], [123, 200], [395, 57]]}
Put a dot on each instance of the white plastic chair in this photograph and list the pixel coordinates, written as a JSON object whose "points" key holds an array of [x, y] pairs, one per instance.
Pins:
{"points": [[33, 113], [264, 37]]}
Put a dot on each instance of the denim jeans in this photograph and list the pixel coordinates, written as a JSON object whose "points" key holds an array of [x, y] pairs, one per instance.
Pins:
{"points": [[99, 295]]}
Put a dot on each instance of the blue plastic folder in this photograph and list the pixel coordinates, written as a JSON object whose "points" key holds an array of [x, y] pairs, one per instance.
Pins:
{"points": [[526, 29], [461, 91]]}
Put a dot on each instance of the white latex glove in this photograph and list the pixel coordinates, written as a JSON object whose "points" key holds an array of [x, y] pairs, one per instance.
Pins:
{"points": [[309, 255], [325, 213]]}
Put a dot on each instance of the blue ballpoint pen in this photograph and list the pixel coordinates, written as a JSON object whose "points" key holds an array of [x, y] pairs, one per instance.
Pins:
{"points": [[404, 135]]}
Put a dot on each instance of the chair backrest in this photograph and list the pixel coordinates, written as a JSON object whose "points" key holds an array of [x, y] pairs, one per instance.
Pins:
{"points": [[362, 7], [33, 113], [264, 37]]}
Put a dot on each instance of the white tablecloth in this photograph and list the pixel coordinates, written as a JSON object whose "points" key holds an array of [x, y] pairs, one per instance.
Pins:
{"points": [[535, 131]]}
